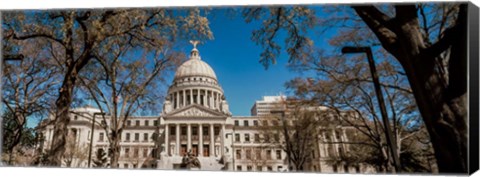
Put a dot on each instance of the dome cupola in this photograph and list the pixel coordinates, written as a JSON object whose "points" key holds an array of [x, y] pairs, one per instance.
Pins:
{"points": [[195, 83], [195, 66]]}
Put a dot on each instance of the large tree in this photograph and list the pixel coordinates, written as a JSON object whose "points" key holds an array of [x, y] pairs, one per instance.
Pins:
{"points": [[294, 127], [430, 47], [26, 86], [76, 154], [344, 86], [16, 141], [438, 82], [125, 86], [74, 36]]}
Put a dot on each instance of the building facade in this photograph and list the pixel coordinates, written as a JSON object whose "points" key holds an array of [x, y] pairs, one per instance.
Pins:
{"points": [[196, 120]]}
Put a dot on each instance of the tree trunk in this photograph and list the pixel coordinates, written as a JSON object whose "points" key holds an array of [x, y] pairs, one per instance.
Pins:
{"points": [[444, 119], [16, 136], [386, 162], [115, 153], [443, 108], [10, 156], [64, 100], [441, 101], [61, 120]]}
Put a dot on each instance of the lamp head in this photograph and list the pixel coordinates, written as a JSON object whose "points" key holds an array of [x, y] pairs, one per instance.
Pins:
{"points": [[350, 49]]}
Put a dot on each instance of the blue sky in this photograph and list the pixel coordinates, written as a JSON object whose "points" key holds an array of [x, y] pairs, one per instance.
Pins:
{"points": [[234, 58]]}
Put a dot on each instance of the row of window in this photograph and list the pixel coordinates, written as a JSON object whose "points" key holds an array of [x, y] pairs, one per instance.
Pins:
{"points": [[258, 154], [256, 138], [246, 123], [258, 168], [270, 103], [327, 135], [103, 121], [145, 123], [331, 152], [137, 137], [146, 136], [136, 152], [195, 130], [188, 79], [346, 168], [129, 122], [126, 165]]}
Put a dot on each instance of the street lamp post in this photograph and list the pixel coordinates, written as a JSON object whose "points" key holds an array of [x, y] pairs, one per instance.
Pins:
{"points": [[388, 133]]}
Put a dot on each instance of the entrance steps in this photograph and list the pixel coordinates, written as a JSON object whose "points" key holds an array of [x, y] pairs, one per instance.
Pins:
{"points": [[207, 163]]}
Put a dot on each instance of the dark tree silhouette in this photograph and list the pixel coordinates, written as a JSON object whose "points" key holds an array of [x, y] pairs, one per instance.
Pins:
{"points": [[436, 69]]}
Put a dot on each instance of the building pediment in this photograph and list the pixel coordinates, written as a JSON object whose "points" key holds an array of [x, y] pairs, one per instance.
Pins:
{"points": [[194, 111]]}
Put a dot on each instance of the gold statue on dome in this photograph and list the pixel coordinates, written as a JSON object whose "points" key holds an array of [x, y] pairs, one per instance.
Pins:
{"points": [[194, 43]]}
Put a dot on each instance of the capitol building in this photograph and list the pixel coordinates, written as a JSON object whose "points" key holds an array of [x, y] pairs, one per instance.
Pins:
{"points": [[196, 121]]}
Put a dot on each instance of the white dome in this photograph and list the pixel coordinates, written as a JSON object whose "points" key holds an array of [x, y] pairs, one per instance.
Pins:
{"points": [[195, 67], [195, 82]]}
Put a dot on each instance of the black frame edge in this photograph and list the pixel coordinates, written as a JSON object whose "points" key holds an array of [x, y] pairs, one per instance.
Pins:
{"points": [[473, 43]]}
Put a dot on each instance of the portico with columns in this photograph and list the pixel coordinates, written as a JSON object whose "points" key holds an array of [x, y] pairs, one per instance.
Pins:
{"points": [[204, 138]]}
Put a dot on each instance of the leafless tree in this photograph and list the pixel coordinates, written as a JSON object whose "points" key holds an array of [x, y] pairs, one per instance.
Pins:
{"points": [[76, 154], [427, 40], [346, 89], [26, 87], [294, 128], [123, 87], [77, 36]]}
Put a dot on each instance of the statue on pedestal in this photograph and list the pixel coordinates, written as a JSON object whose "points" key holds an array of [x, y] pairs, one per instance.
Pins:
{"points": [[167, 105], [224, 106], [189, 161]]}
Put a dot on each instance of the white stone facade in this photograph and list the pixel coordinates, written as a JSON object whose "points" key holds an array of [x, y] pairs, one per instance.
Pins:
{"points": [[196, 118]]}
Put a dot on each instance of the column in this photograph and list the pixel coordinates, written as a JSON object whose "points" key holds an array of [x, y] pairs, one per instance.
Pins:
{"points": [[324, 145], [335, 145], [222, 137], [198, 96], [345, 149], [215, 103], [212, 142], [210, 99], [178, 99], [177, 136], [189, 137], [205, 98], [191, 96], [184, 98], [50, 135], [216, 100], [213, 100], [166, 138], [200, 140], [77, 137]]}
